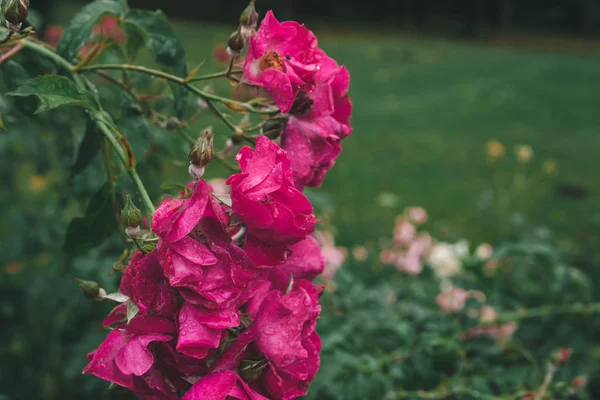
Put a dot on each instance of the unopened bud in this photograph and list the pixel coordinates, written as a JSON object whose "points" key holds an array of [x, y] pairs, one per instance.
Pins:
{"points": [[578, 382], [202, 152], [131, 216], [90, 289], [249, 17], [562, 356], [15, 13], [235, 44]]}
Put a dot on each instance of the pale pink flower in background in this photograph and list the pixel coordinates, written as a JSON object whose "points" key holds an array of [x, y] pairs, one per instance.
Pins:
{"points": [[334, 256], [412, 261], [404, 232], [409, 263], [417, 215], [484, 251], [443, 260], [360, 253], [453, 300]]}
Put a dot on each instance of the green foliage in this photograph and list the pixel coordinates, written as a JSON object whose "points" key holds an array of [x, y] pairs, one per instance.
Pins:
{"points": [[100, 215], [56, 91], [88, 148], [155, 30]]}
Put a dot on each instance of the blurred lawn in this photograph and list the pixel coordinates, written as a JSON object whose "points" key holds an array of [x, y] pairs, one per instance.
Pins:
{"points": [[424, 110]]}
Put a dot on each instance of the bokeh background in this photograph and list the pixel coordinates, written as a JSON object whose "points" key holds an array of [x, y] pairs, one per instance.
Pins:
{"points": [[443, 91]]}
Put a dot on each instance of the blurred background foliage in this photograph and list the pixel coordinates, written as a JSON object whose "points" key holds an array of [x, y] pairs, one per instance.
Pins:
{"points": [[431, 109]]}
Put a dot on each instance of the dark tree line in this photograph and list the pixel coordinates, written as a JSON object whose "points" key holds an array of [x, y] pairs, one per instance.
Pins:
{"points": [[467, 17]]}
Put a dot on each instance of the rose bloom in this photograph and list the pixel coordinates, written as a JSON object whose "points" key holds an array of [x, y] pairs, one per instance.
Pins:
{"points": [[281, 58], [283, 334], [319, 121], [264, 198], [305, 262]]}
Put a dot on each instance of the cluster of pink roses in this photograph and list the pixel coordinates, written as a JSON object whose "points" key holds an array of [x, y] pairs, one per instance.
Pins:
{"points": [[218, 318], [225, 306], [409, 247], [284, 59]]}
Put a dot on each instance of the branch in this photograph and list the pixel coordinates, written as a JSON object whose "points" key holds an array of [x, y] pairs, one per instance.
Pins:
{"points": [[183, 82]]}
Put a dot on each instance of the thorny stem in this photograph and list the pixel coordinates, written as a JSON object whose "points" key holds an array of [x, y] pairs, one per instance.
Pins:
{"points": [[103, 123]]}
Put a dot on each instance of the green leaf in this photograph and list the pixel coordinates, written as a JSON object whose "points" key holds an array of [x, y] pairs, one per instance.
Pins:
{"points": [[98, 223], [168, 50], [56, 91], [88, 149], [2, 127], [77, 33]]}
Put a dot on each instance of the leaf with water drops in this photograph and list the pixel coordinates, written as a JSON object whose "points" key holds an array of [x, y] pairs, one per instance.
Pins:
{"points": [[55, 91]]}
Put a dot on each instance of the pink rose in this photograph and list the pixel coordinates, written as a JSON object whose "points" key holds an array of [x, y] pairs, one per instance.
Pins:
{"points": [[305, 262], [145, 283], [222, 385], [284, 332], [201, 330], [264, 198], [281, 58], [320, 120], [126, 357], [197, 253]]}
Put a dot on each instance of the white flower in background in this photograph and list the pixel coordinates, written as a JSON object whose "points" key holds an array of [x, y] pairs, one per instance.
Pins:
{"points": [[484, 251], [461, 248], [444, 260]]}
